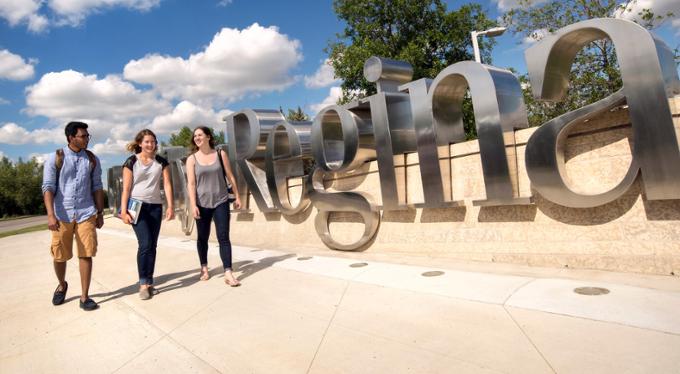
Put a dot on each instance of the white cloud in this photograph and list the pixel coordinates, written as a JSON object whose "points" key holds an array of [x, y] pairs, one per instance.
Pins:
{"points": [[113, 108], [505, 5], [66, 12], [334, 94], [110, 147], [39, 157], [187, 114], [23, 11], [535, 36], [73, 12], [14, 67], [658, 7], [4, 101], [11, 133], [324, 76], [69, 94], [224, 2], [235, 63]]}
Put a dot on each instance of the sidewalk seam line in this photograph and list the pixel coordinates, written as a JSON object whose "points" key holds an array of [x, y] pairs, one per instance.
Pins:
{"points": [[517, 289], [323, 337], [529, 339], [163, 333], [595, 320]]}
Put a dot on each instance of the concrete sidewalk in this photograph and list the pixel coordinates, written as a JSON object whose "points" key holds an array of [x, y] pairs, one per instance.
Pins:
{"points": [[320, 314]]}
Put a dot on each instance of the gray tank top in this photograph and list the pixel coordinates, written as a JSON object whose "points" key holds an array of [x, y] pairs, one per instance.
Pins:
{"points": [[211, 187]]}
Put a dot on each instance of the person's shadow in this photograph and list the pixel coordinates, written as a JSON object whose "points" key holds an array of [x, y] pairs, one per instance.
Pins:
{"points": [[248, 268], [189, 277]]}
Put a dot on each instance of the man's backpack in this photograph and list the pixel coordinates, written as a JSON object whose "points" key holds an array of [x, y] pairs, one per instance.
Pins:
{"points": [[59, 162]]}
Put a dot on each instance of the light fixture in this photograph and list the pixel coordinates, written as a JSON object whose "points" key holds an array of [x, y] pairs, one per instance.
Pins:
{"points": [[492, 32]]}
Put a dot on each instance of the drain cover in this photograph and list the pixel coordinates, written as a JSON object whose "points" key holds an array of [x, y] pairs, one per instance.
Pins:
{"points": [[591, 291], [358, 265], [432, 273], [304, 258]]}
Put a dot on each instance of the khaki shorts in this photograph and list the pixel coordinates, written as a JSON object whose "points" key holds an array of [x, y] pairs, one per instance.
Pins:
{"points": [[86, 238]]}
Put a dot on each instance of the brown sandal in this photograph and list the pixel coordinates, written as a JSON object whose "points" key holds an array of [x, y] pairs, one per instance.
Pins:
{"points": [[205, 275], [233, 282]]}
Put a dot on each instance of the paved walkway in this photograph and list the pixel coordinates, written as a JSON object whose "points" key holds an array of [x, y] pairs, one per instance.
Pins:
{"points": [[20, 223], [296, 314]]}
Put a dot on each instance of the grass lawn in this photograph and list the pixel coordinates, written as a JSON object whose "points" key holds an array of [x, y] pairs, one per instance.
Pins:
{"points": [[13, 218], [39, 227]]}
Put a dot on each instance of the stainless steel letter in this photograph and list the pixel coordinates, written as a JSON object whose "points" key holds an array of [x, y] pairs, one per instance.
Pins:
{"points": [[247, 133], [115, 187], [176, 157], [434, 155], [288, 149], [342, 140], [499, 110], [649, 77], [392, 126]]}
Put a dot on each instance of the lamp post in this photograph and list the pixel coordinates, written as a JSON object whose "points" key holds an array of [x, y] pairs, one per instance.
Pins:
{"points": [[490, 32]]}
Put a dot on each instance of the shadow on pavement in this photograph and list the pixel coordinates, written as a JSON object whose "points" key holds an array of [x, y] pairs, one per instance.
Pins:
{"points": [[189, 277], [248, 268]]}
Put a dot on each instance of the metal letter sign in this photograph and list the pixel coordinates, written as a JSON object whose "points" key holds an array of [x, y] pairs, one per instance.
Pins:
{"points": [[649, 77], [425, 116]]}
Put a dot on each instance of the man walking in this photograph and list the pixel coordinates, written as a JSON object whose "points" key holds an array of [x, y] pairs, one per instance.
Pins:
{"points": [[74, 199]]}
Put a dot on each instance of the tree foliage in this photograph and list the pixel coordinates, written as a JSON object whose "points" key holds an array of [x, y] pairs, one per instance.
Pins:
{"points": [[422, 33], [595, 72], [183, 137], [297, 115], [20, 188]]}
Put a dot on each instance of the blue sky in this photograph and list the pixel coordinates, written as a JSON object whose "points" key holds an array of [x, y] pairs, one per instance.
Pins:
{"points": [[122, 65]]}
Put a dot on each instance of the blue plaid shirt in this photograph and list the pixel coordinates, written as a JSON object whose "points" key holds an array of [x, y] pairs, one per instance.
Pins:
{"points": [[73, 199]]}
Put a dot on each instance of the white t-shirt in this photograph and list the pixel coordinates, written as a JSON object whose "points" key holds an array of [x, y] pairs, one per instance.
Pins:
{"points": [[146, 179]]}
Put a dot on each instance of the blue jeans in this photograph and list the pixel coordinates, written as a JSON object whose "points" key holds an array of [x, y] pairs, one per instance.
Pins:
{"points": [[220, 214], [147, 228]]}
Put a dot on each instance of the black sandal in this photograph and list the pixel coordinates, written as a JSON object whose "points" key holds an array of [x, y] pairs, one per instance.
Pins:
{"points": [[88, 304], [60, 296]]}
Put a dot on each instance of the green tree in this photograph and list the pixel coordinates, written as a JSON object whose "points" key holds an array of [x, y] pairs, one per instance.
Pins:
{"points": [[183, 137], [7, 203], [20, 188], [595, 72], [28, 195], [297, 115], [422, 33]]}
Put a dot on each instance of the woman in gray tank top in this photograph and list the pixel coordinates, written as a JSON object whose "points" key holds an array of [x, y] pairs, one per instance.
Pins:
{"points": [[208, 196]]}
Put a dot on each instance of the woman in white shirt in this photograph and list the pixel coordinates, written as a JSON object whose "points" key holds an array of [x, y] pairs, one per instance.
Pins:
{"points": [[142, 182]]}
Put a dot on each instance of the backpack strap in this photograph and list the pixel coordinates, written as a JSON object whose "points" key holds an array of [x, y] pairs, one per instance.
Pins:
{"points": [[93, 161], [59, 162], [219, 158], [230, 191]]}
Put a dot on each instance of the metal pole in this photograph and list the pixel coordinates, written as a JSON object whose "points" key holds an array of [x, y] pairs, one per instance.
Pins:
{"points": [[475, 46]]}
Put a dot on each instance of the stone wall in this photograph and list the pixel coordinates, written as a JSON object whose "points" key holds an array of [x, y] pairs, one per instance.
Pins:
{"points": [[630, 234]]}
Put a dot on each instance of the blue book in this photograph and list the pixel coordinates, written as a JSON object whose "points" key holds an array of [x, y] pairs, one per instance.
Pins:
{"points": [[134, 206]]}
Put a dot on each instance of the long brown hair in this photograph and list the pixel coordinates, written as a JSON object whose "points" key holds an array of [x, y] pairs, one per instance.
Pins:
{"points": [[208, 132], [135, 145]]}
